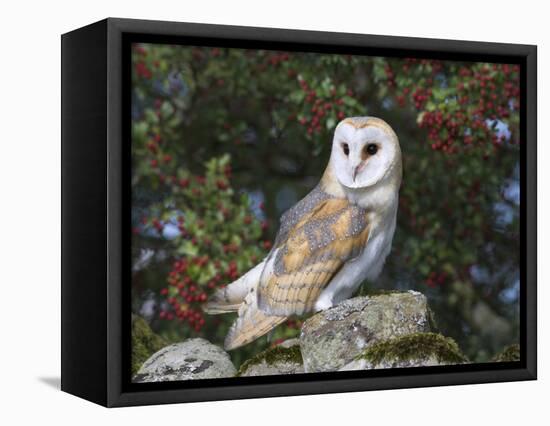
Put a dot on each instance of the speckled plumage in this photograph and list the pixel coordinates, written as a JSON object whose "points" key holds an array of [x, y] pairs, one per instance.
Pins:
{"points": [[324, 235], [329, 242]]}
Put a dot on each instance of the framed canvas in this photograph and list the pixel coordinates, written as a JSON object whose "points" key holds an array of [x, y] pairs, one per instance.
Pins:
{"points": [[255, 212]]}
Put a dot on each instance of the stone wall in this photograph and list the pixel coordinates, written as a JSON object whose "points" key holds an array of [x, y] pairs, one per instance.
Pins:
{"points": [[387, 330]]}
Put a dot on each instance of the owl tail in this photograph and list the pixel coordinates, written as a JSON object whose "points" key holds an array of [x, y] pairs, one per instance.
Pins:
{"points": [[251, 324], [240, 296], [230, 298]]}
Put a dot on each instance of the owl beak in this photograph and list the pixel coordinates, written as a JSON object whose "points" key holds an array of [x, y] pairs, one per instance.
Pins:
{"points": [[355, 171]]}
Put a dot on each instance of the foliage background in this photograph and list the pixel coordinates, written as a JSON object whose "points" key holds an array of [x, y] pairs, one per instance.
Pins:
{"points": [[225, 140]]}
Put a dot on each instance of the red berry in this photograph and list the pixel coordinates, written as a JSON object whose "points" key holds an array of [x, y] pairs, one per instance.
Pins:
{"points": [[221, 184], [152, 147], [157, 224]]}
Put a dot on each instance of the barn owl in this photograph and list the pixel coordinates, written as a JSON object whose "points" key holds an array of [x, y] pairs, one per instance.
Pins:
{"points": [[329, 242]]}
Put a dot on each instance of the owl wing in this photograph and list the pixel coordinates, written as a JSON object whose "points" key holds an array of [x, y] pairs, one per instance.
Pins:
{"points": [[309, 254]]}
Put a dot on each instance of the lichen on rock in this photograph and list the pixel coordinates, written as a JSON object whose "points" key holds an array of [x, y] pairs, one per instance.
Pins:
{"points": [[285, 358], [413, 350], [510, 353], [332, 338], [192, 359], [144, 342]]}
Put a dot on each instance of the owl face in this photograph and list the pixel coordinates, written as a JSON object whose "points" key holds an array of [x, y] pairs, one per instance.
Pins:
{"points": [[364, 151]]}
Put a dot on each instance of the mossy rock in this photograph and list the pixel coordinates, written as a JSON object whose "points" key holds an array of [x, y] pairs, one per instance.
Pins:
{"points": [[191, 359], [333, 338], [509, 354], [144, 342], [413, 350], [285, 358], [380, 291]]}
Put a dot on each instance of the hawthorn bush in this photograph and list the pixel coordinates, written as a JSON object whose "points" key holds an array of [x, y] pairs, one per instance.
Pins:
{"points": [[225, 140]]}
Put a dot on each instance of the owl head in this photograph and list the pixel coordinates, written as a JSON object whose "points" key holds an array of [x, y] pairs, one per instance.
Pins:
{"points": [[365, 151]]}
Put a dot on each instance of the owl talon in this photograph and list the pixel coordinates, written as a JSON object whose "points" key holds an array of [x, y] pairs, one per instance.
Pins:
{"points": [[323, 304]]}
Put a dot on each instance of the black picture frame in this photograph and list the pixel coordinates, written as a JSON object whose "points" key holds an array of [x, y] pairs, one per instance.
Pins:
{"points": [[96, 200]]}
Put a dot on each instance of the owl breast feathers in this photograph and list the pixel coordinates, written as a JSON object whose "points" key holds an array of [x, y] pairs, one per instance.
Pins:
{"points": [[327, 244]]}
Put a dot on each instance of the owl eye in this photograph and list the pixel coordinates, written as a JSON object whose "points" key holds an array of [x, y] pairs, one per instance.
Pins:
{"points": [[345, 148], [371, 149]]}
